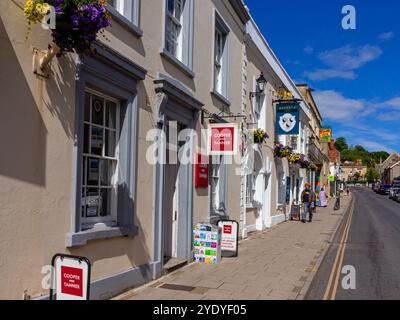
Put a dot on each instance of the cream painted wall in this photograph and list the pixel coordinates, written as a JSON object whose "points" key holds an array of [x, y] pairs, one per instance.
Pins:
{"points": [[37, 135]]}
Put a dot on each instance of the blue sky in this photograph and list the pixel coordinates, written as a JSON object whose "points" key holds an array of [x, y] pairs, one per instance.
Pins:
{"points": [[355, 73]]}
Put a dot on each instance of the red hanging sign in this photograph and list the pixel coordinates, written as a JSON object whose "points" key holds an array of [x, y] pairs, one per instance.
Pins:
{"points": [[201, 172]]}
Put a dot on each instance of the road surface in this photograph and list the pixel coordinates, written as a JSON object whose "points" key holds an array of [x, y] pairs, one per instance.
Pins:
{"points": [[363, 262]]}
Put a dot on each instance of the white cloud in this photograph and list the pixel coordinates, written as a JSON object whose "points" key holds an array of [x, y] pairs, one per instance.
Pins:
{"points": [[342, 62], [386, 36], [390, 116], [391, 104], [308, 50], [325, 74], [334, 106], [349, 57]]}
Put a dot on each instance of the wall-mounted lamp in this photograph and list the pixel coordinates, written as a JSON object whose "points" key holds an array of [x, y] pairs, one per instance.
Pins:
{"points": [[261, 85]]}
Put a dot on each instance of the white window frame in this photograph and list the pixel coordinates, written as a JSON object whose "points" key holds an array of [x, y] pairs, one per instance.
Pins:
{"points": [[175, 20], [179, 47], [221, 64], [121, 5], [251, 189], [111, 219], [215, 185]]}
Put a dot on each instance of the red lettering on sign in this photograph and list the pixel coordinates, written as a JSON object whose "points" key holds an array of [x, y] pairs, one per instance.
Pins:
{"points": [[72, 281]]}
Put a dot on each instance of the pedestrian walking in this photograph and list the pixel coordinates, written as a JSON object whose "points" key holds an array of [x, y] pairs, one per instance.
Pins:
{"points": [[323, 198], [308, 199]]}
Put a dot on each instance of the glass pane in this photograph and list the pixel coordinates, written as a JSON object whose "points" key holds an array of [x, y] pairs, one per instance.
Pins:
{"points": [[105, 209], [92, 202], [104, 171], [110, 143], [170, 6], [111, 115], [84, 168], [86, 138], [98, 111], [97, 141], [87, 107], [83, 199], [93, 173]]}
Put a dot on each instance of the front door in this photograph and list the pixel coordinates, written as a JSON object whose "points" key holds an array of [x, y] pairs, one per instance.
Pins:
{"points": [[172, 191]]}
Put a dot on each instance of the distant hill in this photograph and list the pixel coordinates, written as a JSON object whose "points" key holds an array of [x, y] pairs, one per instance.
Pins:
{"points": [[355, 153]]}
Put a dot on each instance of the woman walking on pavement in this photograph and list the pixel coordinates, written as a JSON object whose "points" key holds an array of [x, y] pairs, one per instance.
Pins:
{"points": [[307, 198], [323, 198]]}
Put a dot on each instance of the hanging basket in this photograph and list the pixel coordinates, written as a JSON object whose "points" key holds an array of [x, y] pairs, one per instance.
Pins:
{"points": [[78, 22]]}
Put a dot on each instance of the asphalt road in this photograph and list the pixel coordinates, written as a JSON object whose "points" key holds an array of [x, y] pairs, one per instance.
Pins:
{"points": [[363, 262]]}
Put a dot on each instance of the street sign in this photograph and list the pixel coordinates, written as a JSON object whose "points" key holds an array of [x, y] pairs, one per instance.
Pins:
{"points": [[325, 135], [71, 278], [287, 118], [229, 238], [223, 139]]}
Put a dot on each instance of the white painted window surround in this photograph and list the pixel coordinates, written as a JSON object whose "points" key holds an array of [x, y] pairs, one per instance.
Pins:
{"points": [[178, 38], [221, 57], [127, 8]]}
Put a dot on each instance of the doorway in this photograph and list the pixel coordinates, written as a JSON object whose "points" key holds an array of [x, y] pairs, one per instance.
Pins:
{"points": [[175, 190]]}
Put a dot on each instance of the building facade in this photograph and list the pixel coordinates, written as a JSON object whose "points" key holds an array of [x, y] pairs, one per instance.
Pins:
{"points": [[95, 144], [317, 150]]}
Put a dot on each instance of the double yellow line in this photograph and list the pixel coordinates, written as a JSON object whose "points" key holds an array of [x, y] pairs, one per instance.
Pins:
{"points": [[337, 265]]}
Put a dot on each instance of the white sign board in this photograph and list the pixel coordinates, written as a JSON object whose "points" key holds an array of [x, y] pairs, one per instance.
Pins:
{"points": [[72, 278], [229, 238]]}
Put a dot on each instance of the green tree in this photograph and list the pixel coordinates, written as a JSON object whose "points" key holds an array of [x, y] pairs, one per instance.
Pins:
{"points": [[341, 144], [372, 175]]}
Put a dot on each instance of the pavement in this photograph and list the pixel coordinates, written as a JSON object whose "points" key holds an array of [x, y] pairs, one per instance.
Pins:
{"points": [[368, 251], [277, 264]]}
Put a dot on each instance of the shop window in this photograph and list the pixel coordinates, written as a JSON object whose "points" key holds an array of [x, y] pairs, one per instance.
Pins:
{"points": [[100, 160]]}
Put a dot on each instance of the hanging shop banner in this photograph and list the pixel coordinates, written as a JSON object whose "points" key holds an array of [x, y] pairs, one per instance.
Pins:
{"points": [[201, 172], [229, 238], [71, 278], [287, 118], [223, 139], [207, 243], [325, 135]]}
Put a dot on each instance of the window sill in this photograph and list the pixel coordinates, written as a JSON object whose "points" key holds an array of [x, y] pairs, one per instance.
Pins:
{"points": [[164, 53], [82, 238], [220, 97], [125, 22]]}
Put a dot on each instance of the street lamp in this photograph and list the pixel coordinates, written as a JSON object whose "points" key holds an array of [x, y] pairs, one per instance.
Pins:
{"points": [[261, 86], [261, 83]]}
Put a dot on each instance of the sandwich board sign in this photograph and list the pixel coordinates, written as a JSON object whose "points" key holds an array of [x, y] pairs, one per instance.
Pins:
{"points": [[71, 278], [229, 238], [207, 244]]}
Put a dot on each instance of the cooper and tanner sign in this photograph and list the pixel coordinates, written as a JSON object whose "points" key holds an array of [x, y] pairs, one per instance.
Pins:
{"points": [[287, 118], [223, 139], [71, 276]]}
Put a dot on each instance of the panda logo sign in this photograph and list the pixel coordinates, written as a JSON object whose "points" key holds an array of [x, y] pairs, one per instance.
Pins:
{"points": [[287, 118], [287, 122]]}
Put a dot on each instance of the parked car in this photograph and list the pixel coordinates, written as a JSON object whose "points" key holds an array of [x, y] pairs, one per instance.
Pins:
{"points": [[384, 189], [397, 196], [394, 190], [375, 187]]}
